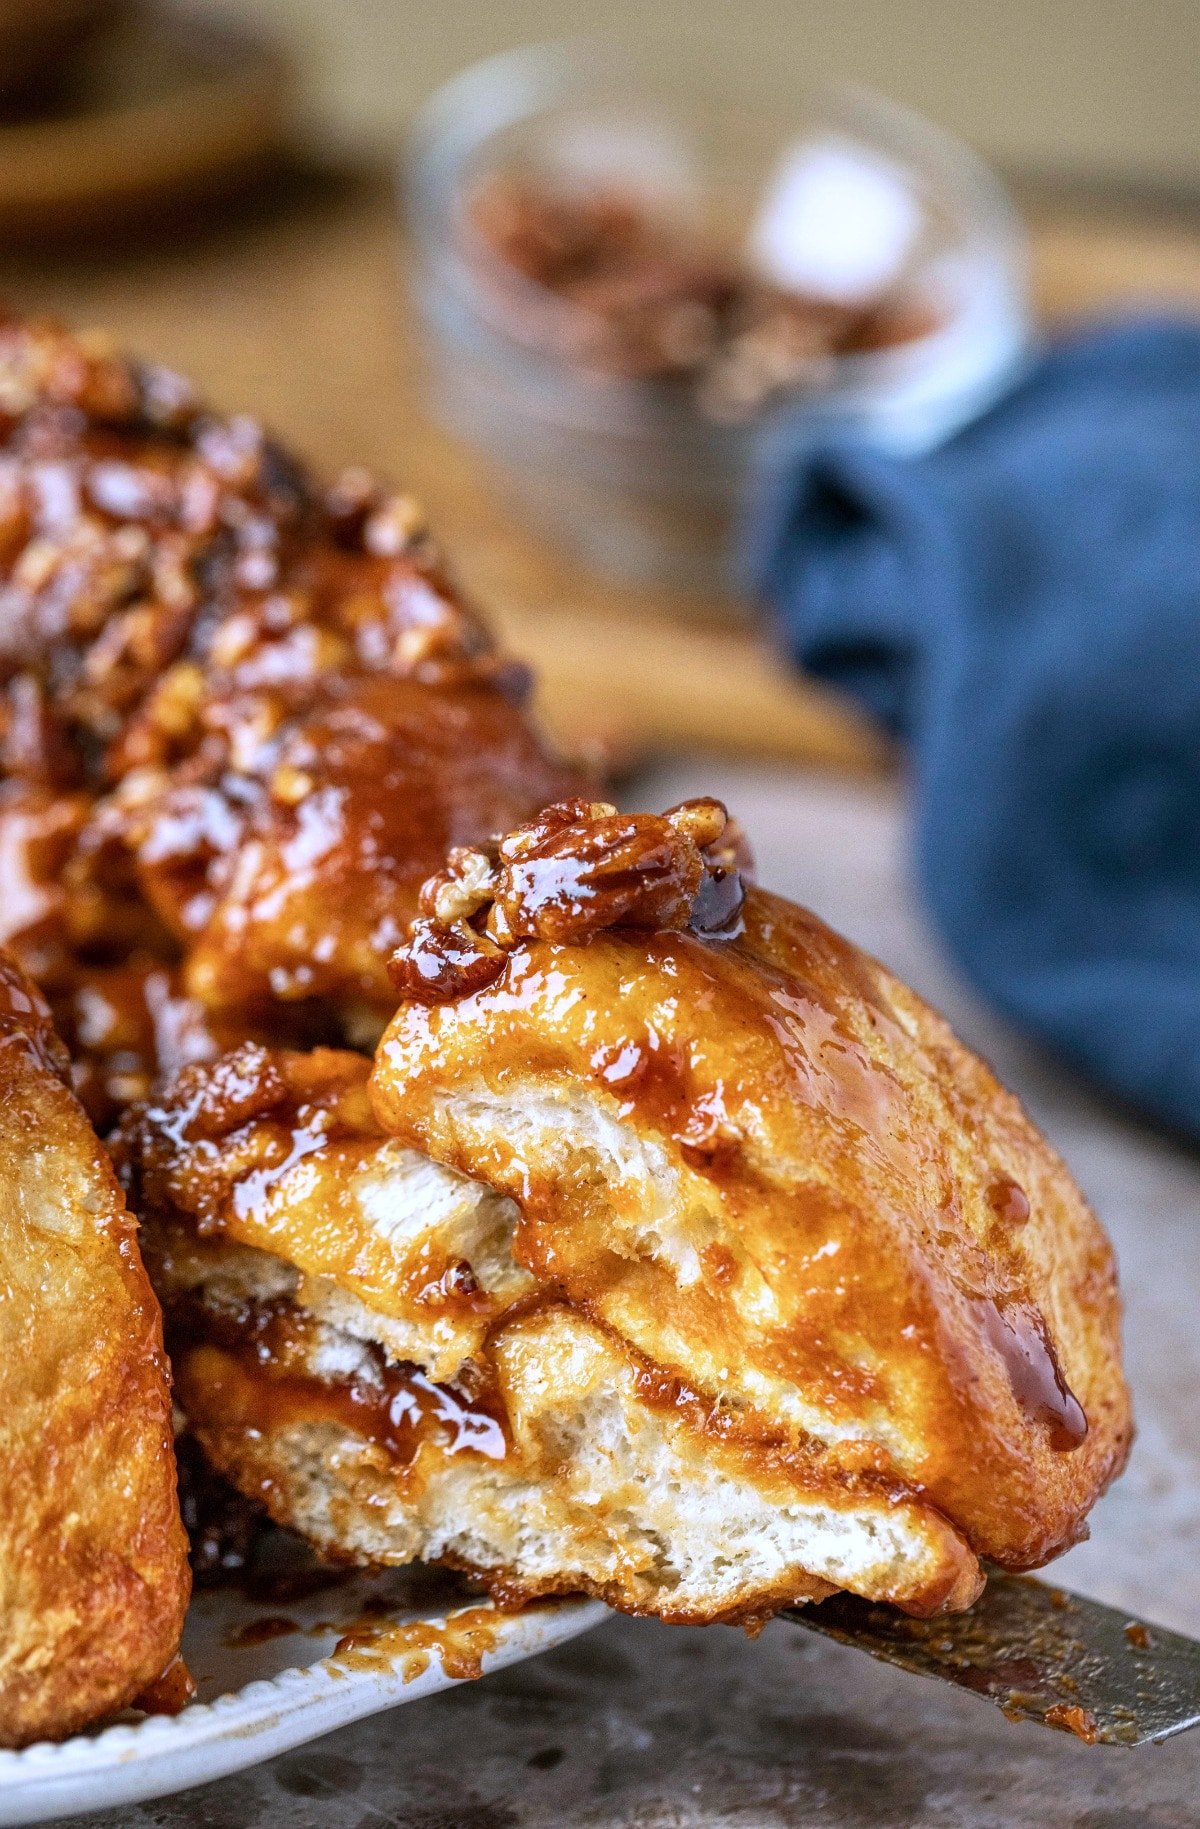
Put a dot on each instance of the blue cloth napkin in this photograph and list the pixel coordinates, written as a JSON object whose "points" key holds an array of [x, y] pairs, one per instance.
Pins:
{"points": [[1023, 607]]}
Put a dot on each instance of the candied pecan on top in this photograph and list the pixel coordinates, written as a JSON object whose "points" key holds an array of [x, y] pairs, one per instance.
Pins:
{"points": [[144, 537], [43, 364], [579, 867]]}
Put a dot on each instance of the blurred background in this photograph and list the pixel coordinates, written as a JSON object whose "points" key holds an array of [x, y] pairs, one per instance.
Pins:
{"points": [[224, 186], [1092, 89], [579, 313]]}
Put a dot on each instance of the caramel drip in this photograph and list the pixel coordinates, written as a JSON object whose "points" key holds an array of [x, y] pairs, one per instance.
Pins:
{"points": [[25, 1020], [1009, 1201], [1018, 1332], [255, 1356], [460, 1644], [170, 1693]]}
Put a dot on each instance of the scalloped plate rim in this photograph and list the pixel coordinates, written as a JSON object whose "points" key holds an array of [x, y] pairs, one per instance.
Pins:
{"points": [[128, 1763]]}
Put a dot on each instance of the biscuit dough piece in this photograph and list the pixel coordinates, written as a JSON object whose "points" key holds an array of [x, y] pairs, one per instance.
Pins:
{"points": [[679, 1254], [767, 1167], [94, 1578]]}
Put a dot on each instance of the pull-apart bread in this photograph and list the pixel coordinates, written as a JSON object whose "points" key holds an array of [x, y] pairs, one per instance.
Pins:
{"points": [[242, 718], [93, 1561], [672, 1250]]}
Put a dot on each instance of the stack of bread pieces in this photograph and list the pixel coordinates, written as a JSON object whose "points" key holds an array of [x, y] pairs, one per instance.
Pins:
{"points": [[523, 1188]]}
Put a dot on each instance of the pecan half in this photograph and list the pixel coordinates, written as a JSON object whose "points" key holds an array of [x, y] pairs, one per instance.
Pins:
{"points": [[579, 868]]}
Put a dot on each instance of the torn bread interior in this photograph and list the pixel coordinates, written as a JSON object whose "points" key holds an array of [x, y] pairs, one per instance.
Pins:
{"points": [[671, 1250]]}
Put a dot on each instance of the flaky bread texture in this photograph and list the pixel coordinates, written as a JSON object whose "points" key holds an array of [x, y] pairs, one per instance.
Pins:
{"points": [[279, 1152], [796, 1295], [773, 1171], [93, 1563], [600, 1489]]}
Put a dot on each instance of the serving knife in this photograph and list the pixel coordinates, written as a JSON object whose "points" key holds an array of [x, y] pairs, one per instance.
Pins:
{"points": [[1040, 1654]]}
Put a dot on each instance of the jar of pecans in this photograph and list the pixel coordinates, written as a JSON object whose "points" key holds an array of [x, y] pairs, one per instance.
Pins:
{"points": [[635, 301]]}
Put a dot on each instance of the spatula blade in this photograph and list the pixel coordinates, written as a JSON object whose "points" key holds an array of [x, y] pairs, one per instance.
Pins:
{"points": [[1040, 1654]]}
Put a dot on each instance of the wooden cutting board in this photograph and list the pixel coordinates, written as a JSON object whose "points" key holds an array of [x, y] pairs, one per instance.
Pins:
{"points": [[296, 312]]}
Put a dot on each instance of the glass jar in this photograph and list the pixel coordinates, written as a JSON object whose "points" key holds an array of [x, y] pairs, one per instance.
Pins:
{"points": [[631, 476]]}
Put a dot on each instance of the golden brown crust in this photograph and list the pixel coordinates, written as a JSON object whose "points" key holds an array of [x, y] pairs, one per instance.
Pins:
{"points": [[875, 1241], [93, 1568]]}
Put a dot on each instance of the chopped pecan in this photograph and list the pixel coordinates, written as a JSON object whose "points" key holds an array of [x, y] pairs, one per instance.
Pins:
{"points": [[441, 961], [581, 866]]}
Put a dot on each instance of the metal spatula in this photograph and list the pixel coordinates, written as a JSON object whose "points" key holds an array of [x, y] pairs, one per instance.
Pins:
{"points": [[1040, 1654]]}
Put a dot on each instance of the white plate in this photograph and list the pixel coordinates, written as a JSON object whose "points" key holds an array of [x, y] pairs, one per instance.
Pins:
{"points": [[257, 1699]]}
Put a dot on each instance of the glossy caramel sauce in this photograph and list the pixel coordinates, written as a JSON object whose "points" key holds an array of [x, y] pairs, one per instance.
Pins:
{"points": [[126, 1027], [25, 1020], [39, 831], [170, 1693], [460, 1643], [1073, 1720], [241, 717], [1019, 1334], [257, 1357], [654, 1078], [281, 1151], [1008, 1201]]}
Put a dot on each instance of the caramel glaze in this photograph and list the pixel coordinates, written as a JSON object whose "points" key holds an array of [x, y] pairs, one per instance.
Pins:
{"points": [[217, 1139], [251, 1366], [241, 716], [127, 1026], [460, 1643], [170, 1693], [880, 1231], [1072, 1719], [262, 1149], [26, 1022], [286, 856]]}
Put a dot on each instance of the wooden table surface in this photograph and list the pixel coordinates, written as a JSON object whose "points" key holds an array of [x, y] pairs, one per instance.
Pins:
{"points": [[295, 311]]}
